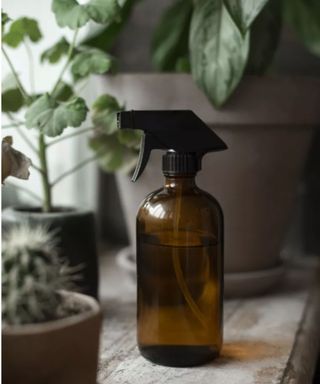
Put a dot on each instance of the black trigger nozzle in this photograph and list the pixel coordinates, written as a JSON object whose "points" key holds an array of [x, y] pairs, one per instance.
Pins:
{"points": [[125, 120]]}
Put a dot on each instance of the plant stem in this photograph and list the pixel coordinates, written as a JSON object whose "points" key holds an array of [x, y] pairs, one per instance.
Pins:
{"points": [[36, 168], [47, 201], [19, 84], [74, 169], [12, 125], [65, 137], [83, 85], [31, 65], [69, 57], [26, 190]]}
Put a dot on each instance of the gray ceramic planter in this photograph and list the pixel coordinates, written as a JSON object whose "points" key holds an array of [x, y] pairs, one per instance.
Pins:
{"points": [[267, 125], [63, 351], [75, 232]]}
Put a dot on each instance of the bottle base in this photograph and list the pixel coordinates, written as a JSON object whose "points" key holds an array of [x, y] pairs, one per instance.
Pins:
{"points": [[179, 356]]}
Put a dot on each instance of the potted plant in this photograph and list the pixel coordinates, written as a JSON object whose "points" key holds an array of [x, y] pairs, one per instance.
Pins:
{"points": [[48, 114], [267, 121], [49, 334]]}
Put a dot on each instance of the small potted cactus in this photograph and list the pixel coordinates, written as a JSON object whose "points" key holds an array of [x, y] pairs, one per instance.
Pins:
{"points": [[49, 334]]}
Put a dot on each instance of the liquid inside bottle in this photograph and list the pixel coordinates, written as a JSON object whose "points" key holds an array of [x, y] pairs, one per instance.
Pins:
{"points": [[179, 281]]}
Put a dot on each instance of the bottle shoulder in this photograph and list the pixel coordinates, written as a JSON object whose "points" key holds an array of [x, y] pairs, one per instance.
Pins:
{"points": [[182, 218], [190, 201], [165, 194]]}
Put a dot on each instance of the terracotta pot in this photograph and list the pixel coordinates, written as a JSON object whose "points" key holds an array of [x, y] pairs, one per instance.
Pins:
{"points": [[57, 352], [267, 125], [75, 232]]}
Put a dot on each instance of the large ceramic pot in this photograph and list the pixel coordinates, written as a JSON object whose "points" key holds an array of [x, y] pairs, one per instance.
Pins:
{"points": [[63, 351], [75, 234], [267, 125]]}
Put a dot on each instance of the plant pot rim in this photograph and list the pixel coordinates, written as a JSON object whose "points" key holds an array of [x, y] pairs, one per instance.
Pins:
{"points": [[30, 210], [54, 325], [258, 78], [258, 100]]}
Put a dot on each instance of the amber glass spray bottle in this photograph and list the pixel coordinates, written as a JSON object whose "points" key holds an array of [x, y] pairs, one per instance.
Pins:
{"points": [[179, 244]]}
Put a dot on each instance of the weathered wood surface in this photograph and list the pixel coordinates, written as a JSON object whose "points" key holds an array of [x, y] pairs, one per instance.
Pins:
{"points": [[267, 340]]}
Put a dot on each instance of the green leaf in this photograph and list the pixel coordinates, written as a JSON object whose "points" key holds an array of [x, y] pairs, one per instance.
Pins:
{"points": [[170, 39], [20, 29], [63, 92], [106, 37], [104, 11], [12, 98], [131, 138], [218, 50], [104, 111], [52, 118], [304, 17], [110, 149], [183, 65], [40, 112], [56, 52], [91, 61], [69, 13], [244, 12], [4, 19], [113, 155], [264, 38]]}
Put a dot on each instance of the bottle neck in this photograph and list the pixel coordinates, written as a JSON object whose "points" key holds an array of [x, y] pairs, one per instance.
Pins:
{"points": [[180, 182]]}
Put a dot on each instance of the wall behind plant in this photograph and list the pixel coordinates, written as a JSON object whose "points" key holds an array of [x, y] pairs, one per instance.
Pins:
{"points": [[79, 189]]}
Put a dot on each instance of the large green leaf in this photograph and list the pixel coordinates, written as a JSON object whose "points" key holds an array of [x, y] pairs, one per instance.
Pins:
{"points": [[244, 12], [52, 118], [131, 138], [104, 11], [12, 98], [105, 37], [264, 38], [170, 40], [69, 13], [20, 29], [56, 51], [63, 92], [113, 156], [104, 111], [183, 65], [91, 61], [304, 17], [218, 50]]}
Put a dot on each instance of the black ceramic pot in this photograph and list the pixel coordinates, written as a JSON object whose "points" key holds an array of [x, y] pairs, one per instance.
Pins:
{"points": [[75, 232]]}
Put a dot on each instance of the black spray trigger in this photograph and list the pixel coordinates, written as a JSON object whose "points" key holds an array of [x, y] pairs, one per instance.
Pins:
{"points": [[148, 143], [180, 131]]}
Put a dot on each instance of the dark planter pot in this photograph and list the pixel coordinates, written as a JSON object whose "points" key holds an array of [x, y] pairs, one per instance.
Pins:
{"points": [[75, 232], [63, 351]]}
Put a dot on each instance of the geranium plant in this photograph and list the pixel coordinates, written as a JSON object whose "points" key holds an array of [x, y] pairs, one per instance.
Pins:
{"points": [[51, 112]]}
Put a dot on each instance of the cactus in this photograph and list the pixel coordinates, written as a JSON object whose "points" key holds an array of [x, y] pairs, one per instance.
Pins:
{"points": [[32, 275]]}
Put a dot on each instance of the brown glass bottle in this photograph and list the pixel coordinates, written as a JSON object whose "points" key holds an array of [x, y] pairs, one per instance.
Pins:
{"points": [[180, 274]]}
